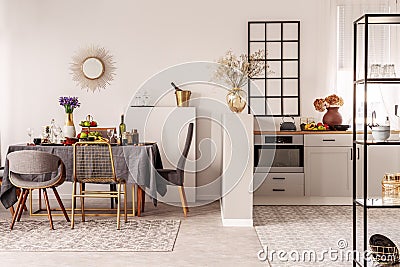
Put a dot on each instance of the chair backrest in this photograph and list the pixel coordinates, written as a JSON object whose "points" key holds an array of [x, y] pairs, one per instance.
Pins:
{"points": [[33, 162], [185, 152], [93, 162]]}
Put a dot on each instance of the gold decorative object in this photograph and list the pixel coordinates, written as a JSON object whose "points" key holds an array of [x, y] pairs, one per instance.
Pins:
{"points": [[93, 68], [69, 120], [182, 98], [236, 99]]}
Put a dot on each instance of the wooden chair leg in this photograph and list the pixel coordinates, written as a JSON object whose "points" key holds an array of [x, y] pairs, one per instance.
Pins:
{"points": [[139, 201], [46, 200], [18, 207], [18, 191], [125, 203], [119, 207], [73, 203], [21, 209], [60, 203], [133, 200], [82, 188], [183, 200]]}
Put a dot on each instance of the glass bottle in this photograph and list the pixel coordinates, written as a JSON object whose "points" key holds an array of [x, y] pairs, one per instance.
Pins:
{"points": [[122, 127], [135, 137]]}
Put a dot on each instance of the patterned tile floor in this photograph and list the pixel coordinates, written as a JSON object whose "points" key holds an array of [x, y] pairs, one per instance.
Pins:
{"points": [[296, 230]]}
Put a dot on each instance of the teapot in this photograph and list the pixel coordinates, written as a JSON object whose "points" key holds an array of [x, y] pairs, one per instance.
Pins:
{"points": [[287, 125]]}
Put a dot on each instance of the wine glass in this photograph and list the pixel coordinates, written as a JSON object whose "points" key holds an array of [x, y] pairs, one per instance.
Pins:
{"points": [[110, 133], [30, 133], [57, 131]]}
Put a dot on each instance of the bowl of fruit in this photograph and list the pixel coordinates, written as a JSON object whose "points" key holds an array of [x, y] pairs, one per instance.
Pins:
{"points": [[312, 126], [89, 122], [90, 136]]}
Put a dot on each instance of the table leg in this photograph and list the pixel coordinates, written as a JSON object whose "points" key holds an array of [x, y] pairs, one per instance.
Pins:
{"points": [[133, 200], [139, 200]]}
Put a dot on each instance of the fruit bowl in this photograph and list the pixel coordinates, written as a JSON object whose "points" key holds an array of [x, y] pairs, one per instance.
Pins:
{"points": [[314, 127], [89, 122]]}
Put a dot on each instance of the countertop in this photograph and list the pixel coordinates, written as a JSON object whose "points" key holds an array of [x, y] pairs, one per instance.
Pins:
{"points": [[311, 132], [300, 132]]}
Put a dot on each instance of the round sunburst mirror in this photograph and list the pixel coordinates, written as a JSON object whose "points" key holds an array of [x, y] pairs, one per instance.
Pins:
{"points": [[93, 68]]}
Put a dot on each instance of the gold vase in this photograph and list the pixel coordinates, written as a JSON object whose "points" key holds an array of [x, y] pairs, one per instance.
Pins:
{"points": [[236, 99], [69, 119], [69, 127]]}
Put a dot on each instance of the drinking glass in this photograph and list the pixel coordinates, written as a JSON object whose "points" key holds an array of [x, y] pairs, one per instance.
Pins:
{"points": [[375, 70], [57, 132], [30, 133], [110, 134]]}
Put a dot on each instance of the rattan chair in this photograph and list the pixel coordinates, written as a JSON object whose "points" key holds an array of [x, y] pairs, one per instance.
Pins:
{"points": [[44, 170], [94, 164], [103, 133], [174, 176]]}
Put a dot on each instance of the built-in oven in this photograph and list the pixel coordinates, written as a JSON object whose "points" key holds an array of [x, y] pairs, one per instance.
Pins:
{"points": [[279, 165], [279, 153]]}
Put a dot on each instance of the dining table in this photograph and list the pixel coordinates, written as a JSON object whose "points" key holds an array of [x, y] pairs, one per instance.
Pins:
{"points": [[136, 164]]}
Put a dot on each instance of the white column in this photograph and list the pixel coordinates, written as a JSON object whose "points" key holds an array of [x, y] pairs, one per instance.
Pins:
{"points": [[237, 188]]}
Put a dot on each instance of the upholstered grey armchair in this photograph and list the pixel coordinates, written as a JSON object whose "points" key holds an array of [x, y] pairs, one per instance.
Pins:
{"points": [[44, 170]]}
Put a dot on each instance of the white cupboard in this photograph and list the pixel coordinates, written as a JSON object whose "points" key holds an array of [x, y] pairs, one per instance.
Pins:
{"points": [[328, 165]]}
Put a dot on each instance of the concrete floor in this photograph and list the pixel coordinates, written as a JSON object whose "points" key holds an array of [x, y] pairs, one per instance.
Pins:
{"points": [[201, 241]]}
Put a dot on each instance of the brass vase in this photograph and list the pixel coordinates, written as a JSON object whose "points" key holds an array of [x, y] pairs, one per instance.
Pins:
{"points": [[69, 127], [236, 99]]}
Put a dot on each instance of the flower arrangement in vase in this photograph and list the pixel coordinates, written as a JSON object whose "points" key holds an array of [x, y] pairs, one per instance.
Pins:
{"points": [[235, 72], [331, 103], [69, 104]]}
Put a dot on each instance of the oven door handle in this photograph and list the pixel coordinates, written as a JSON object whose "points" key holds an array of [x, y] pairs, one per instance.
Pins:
{"points": [[278, 190], [278, 178]]}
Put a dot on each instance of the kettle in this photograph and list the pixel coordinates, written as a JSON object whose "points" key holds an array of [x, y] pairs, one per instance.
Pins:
{"points": [[287, 125]]}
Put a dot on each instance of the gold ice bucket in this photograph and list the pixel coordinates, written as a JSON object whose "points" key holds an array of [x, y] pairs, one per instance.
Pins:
{"points": [[182, 98]]}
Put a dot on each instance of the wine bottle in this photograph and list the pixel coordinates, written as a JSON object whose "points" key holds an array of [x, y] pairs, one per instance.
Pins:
{"points": [[122, 127], [176, 87]]}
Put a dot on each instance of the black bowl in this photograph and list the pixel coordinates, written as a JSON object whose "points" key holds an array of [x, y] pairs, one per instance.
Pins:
{"points": [[341, 127], [383, 249]]}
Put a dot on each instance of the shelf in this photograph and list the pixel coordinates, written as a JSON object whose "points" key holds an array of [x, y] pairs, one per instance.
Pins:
{"points": [[378, 81], [376, 203], [375, 143], [379, 19]]}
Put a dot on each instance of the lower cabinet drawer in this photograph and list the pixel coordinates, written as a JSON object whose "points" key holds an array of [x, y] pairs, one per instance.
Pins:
{"points": [[279, 184]]}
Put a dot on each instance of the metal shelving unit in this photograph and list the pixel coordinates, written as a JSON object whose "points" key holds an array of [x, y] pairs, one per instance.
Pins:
{"points": [[362, 25]]}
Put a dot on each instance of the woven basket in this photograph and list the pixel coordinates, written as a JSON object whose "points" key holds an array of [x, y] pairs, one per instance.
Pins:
{"points": [[391, 188]]}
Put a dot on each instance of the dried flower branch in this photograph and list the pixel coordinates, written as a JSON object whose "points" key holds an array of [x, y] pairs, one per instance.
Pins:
{"points": [[236, 71], [320, 104]]}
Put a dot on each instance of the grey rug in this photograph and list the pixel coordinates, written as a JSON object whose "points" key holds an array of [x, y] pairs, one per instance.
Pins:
{"points": [[301, 230], [93, 235]]}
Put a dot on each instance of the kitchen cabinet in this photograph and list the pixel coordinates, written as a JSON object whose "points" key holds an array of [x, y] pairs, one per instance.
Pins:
{"points": [[280, 184], [328, 165]]}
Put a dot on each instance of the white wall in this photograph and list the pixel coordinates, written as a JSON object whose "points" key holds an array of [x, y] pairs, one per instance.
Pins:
{"points": [[39, 37]]}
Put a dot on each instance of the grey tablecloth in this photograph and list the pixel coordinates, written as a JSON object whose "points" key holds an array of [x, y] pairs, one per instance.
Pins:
{"points": [[135, 164]]}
